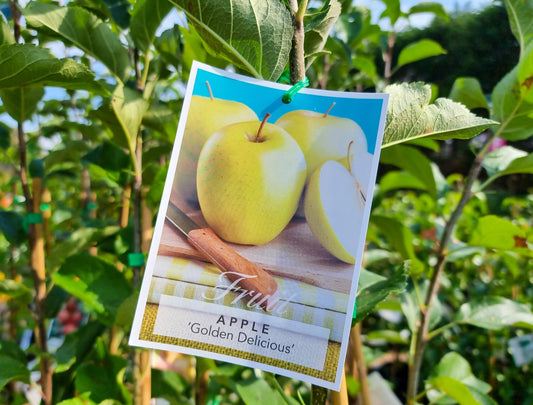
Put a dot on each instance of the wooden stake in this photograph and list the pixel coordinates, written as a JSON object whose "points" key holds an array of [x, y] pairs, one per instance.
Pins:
{"points": [[341, 397]]}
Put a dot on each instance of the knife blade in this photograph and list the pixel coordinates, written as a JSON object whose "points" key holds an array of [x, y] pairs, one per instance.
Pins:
{"points": [[259, 284]]}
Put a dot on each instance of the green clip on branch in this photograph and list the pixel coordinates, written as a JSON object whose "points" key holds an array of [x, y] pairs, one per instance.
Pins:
{"points": [[287, 97], [32, 218], [135, 259]]}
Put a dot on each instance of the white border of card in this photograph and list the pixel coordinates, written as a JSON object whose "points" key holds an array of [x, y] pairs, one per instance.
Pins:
{"points": [[234, 328]]}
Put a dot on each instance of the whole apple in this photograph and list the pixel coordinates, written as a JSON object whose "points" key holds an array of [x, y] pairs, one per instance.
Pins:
{"points": [[206, 116], [322, 137], [250, 178]]}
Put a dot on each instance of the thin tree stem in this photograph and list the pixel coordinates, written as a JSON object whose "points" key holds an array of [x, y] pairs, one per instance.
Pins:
{"points": [[434, 284], [297, 55]]}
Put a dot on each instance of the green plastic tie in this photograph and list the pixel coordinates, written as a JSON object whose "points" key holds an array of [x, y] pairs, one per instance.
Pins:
{"points": [[289, 94], [45, 207], [355, 309], [32, 218], [135, 259], [91, 206]]}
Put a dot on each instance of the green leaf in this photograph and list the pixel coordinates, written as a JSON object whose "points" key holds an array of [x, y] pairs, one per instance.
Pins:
{"points": [[108, 156], [498, 160], [495, 313], [21, 103], [455, 389], [419, 50], [14, 364], [371, 295], [397, 234], [27, 65], [494, 232], [146, 17], [411, 116], [77, 241], [84, 30], [254, 35], [11, 227], [413, 161], [410, 303], [168, 44], [16, 291], [316, 38], [392, 10], [6, 34], [98, 284], [520, 15], [128, 108], [510, 109], [77, 345], [162, 119], [437, 9], [455, 366], [467, 91], [257, 391], [395, 180], [170, 385], [102, 377]]}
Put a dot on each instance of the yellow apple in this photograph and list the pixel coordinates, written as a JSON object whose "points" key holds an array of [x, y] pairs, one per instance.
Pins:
{"points": [[322, 137], [206, 116], [250, 178], [334, 209]]}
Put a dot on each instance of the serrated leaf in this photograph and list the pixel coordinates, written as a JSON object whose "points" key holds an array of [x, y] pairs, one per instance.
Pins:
{"points": [[168, 44], [495, 313], [371, 295], [84, 30], [322, 23], [254, 35], [11, 227], [146, 17], [509, 108], [494, 232], [411, 116], [419, 50], [14, 364], [98, 284], [520, 15], [27, 65], [467, 91]]}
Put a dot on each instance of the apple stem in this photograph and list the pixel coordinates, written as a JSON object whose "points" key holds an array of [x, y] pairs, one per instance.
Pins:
{"points": [[329, 109], [258, 136], [209, 89]]}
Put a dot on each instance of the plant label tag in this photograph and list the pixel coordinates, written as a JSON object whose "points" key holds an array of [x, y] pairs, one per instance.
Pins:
{"points": [[259, 239]]}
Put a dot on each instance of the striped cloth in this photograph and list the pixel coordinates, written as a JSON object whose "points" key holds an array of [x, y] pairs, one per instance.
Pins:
{"points": [[197, 280]]}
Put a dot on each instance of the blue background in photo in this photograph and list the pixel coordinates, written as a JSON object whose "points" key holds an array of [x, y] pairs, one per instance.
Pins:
{"points": [[262, 99]]}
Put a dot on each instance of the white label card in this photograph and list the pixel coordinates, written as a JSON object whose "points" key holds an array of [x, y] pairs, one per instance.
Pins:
{"points": [[260, 233]]}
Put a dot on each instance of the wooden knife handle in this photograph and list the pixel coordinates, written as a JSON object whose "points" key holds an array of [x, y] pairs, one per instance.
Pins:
{"points": [[206, 241]]}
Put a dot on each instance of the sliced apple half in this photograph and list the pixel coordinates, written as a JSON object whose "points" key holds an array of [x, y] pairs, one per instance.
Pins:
{"points": [[334, 207]]}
